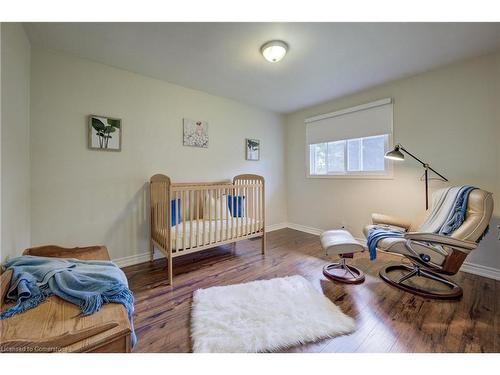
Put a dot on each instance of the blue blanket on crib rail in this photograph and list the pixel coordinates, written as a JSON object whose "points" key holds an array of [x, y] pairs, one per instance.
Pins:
{"points": [[87, 284], [448, 213]]}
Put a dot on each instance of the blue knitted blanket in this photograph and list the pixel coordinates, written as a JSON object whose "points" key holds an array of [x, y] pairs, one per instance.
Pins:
{"points": [[444, 219], [87, 284]]}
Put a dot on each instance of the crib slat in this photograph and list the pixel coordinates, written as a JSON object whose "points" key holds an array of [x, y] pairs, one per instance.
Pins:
{"points": [[168, 236], [161, 210], [154, 206], [154, 216], [204, 199], [191, 208], [228, 213], [210, 216], [249, 209], [258, 211], [245, 194], [176, 215], [182, 218], [166, 241], [214, 200], [221, 218], [214, 195], [168, 221], [233, 190], [158, 213], [261, 211], [213, 230], [197, 199], [254, 208], [233, 219], [262, 219], [158, 209], [261, 208], [254, 216], [235, 210], [257, 200], [238, 212]]}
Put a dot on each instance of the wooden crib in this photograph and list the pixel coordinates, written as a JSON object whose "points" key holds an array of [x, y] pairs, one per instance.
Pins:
{"points": [[190, 217]]}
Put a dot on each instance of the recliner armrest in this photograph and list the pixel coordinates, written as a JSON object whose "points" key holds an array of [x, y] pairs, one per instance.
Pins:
{"points": [[390, 220], [440, 240]]}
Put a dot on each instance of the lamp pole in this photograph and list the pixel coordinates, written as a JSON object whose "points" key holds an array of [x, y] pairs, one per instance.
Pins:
{"points": [[427, 167]]}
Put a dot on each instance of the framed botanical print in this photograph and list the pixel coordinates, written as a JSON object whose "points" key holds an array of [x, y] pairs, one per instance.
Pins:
{"points": [[105, 133], [252, 149]]}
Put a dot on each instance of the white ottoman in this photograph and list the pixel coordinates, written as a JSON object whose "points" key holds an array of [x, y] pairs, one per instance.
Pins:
{"points": [[341, 242]]}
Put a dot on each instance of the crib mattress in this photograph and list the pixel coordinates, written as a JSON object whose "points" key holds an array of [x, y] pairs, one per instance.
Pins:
{"points": [[205, 232]]}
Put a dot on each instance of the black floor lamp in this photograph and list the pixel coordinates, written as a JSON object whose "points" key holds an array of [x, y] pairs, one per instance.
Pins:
{"points": [[396, 154]]}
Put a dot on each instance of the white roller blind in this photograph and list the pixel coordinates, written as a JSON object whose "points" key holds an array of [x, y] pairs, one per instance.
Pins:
{"points": [[365, 120]]}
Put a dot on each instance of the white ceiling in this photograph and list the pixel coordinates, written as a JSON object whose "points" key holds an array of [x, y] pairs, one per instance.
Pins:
{"points": [[325, 60]]}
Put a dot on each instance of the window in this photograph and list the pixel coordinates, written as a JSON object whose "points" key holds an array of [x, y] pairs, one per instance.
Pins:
{"points": [[350, 142], [350, 156]]}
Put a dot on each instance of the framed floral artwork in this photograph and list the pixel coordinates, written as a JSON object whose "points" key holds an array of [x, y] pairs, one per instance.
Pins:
{"points": [[195, 133]]}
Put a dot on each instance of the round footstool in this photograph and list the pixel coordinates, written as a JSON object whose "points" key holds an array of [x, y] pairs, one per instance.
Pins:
{"points": [[341, 242]]}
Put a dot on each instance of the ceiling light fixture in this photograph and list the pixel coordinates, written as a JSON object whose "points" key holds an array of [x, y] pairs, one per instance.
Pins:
{"points": [[274, 50]]}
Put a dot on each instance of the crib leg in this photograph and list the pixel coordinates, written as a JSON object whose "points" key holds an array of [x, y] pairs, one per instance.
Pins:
{"points": [[170, 271], [264, 243], [151, 251]]}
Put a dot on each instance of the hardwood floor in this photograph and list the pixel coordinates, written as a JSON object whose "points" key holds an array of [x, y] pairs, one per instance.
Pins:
{"points": [[388, 320]]}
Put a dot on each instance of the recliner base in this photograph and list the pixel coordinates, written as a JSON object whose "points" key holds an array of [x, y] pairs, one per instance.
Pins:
{"points": [[455, 291]]}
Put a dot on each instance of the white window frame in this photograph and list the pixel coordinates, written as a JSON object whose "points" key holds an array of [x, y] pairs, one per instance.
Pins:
{"points": [[387, 174]]}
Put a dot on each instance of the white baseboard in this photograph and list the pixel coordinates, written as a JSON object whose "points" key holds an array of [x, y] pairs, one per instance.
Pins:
{"points": [[273, 227], [144, 257], [303, 228], [478, 269], [133, 259]]}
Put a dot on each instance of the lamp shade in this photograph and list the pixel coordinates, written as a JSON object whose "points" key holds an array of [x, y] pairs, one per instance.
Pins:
{"points": [[395, 154]]}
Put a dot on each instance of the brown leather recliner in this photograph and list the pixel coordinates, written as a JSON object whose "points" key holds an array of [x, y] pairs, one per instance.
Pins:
{"points": [[431, 254]]}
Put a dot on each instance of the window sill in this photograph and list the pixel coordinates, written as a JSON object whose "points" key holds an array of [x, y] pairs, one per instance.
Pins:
{"points": [[353, 176]]}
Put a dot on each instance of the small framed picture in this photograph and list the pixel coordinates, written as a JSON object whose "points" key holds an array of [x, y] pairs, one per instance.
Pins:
{"points": [[195, 133], [252, 149], [105, 133]]}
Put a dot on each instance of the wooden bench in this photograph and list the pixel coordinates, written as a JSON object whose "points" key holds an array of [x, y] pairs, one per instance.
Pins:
{"points": [[56, 325]]}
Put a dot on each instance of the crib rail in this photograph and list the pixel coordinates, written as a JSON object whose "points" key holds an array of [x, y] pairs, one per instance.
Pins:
{"points": [[189, 217]]}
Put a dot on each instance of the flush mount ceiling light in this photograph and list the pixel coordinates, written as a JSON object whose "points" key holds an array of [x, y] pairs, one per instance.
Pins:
{"points": [[274, 50]]}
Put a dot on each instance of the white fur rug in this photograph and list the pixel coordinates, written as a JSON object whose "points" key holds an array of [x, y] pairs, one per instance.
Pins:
{"points": [[263, 315]]}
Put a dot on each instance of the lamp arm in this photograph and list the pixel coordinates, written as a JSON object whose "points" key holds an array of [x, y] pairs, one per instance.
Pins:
{"points": [[425, 165]]}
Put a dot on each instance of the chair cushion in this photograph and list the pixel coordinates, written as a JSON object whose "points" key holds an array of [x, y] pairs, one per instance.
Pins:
{"points": [[397, 245], [340, 241]]}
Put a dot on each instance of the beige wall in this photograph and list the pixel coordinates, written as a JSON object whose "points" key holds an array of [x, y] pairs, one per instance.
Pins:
{"points": [[15, 144], [450, 117], [82, 197]]}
